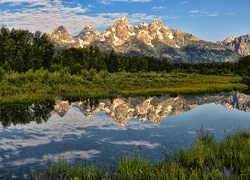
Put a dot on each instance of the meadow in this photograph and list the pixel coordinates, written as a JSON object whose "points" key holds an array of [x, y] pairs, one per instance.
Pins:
{"points": [[43, 84]]}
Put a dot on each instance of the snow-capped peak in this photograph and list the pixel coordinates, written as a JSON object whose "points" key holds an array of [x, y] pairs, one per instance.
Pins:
{"points": [[143, 24], [123, 33], [124, 18], [230, 39], [89, 29]]}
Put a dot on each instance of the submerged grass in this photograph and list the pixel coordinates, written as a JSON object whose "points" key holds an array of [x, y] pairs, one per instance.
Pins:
{"points": [[205, 159], [32, 85]]}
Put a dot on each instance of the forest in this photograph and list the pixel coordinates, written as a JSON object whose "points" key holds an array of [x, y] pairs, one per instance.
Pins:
{"points": [[31, 66]]}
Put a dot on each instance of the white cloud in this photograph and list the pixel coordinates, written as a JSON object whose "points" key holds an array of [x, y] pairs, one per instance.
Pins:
{"points": [[158, 8], [105, 2], [49, 15], [142, 1], [131, 1], [139, 17], [184, 2], [45, 15], [32, 2], [194, 11], [19, 1], [213, 14]]}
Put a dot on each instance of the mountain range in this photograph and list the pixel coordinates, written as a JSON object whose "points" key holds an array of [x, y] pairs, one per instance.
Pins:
{"points": [[153, 39], [239, 44]]}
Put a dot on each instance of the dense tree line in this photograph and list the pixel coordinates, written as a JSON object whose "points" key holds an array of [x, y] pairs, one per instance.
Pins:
{"points": [[21, 50], [92, 58]]}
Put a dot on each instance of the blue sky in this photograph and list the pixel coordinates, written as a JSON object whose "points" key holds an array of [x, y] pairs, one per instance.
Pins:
{"points": [[210, 20]]}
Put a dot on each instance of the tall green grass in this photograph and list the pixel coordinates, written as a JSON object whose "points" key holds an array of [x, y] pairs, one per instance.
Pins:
{"points": [[205, 159], [32, 85]]}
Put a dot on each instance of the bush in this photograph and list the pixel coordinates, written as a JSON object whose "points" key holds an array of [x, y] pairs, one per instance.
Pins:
{"points": [[2, 73], [76, 68], [55, 67]]}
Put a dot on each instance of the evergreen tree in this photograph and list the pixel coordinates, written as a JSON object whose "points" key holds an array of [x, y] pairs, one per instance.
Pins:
{"points": [[4, 38], [112, 62], [18, 64]]}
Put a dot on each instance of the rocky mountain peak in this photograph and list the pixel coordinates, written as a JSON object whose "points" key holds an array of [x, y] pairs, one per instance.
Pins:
{"points": [[239, 44], [123, 20], [142, 33], [158, 30], [143, 26], [157, 23], [230, 39], [61, 36], [59, 31], [86, 35], [121, 24], [89, 28], [118, 33]]}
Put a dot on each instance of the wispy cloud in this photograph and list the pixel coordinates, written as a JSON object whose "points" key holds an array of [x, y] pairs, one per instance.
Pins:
{"points": [[36, 18], [184, 2], [110, 1], [194, 11], [33, 2], [141, 1], [213, 14], [44, 15], [139, 17], [155, 8], [131, 1]]}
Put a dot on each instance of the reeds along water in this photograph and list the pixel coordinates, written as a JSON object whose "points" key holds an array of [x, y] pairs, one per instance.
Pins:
{"points": [[205, 159]]}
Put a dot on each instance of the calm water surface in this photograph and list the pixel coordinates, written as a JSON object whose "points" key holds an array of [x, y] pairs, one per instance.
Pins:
{"points": [[100, 131]]}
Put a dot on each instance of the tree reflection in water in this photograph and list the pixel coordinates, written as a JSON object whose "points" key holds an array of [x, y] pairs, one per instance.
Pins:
{"points": [[24, 113]]}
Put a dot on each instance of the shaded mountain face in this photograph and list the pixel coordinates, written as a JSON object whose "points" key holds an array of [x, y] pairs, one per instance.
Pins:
{"points": [[239, 44], [152, 109], [153, 39]]}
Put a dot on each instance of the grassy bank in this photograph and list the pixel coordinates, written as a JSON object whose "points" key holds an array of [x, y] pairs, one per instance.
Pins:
{"points": [[205, 159], [43, 84]]}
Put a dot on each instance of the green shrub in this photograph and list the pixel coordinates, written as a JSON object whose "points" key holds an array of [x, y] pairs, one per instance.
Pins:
{"points": [[2, 73]]}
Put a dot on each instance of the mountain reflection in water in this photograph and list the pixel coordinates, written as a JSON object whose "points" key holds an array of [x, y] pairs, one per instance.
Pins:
{"points": [[152, 109], [120, 110], [88, 130]]}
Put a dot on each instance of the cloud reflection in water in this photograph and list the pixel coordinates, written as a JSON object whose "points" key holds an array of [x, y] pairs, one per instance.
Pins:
{"points": [[100, 138]]}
